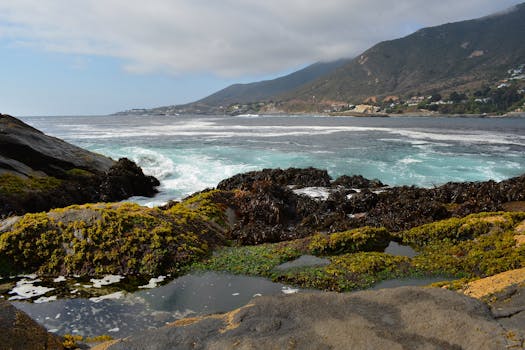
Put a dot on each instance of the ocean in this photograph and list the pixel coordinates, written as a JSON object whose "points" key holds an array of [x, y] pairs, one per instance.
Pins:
{"points": [[191, 153]]}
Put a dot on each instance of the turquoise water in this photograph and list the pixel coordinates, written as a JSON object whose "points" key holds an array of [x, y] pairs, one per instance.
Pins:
{"points": [[191, 153]]}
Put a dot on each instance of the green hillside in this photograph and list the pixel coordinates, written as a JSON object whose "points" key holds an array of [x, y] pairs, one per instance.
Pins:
{"points": [[454, 56]]}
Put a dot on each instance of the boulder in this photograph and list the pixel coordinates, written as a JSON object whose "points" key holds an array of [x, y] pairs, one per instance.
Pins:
{"points": [[297, 178], [39, 172], [19, 331], [356, 181], [401, 318], [114, 238]]}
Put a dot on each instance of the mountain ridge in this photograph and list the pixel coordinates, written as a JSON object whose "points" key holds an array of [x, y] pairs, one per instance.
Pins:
{"points": [[462, 56]]}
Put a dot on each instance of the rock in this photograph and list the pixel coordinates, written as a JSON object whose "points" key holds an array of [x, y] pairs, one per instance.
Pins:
{"points": [[264, 213], [26, 150], [298, 178], [19, 331], [267, 211], [508, 306], [401, 318], [356, 181], [40, 172], [498, 283], [125, 179], [115, 238]]}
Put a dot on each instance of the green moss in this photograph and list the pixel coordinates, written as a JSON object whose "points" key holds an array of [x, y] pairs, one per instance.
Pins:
{"points": [[349, 272], [11, 184], [119, 238], [76, 172], [483, 256], [458, 229], [361, 239], [204, 205], [473, 247], [249, 260]]}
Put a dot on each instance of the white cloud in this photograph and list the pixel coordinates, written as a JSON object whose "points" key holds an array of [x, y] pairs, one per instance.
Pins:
{"points": [[228, 37]]}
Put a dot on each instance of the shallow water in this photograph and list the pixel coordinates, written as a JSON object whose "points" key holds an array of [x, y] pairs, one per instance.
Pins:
{"points": [[400, 250], [303, 261], [121, 314]]}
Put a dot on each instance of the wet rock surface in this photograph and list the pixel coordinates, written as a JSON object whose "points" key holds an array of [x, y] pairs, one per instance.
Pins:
{"points": [[40, 172], [298, 178], [268, 211], [19, 331], [401, 318]]}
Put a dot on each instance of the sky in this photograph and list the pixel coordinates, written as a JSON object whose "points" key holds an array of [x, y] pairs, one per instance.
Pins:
{"points": [[85, 57]]}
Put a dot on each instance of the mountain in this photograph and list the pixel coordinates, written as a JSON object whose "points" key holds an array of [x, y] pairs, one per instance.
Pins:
{"points": [[458, 56], [268, 89], [249, 93], [462, 56]]}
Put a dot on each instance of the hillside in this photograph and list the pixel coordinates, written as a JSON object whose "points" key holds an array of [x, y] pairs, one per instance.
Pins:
{"points": [[451, 56], [265, 90], [247, 93], [462, 56]]}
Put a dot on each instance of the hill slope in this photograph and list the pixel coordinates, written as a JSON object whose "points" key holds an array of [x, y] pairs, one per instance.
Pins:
{"points": [[455, 56], [268, 89], [451, 56]]}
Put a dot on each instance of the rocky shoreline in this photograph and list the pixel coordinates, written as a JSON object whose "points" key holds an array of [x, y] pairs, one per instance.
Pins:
{"points": [[250, 224], [39, 172]]}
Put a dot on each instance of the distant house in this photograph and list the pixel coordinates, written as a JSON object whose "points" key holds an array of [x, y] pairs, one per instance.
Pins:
{"points": [[415, 100], [366, 109]]}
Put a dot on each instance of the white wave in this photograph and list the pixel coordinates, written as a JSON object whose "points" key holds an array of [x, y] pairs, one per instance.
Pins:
{"points": [[314, 192], [196, 172], [409, 160], [152, 162]]}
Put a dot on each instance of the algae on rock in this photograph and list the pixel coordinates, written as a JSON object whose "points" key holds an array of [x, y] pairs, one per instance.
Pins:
{"points": [[117, 238]]}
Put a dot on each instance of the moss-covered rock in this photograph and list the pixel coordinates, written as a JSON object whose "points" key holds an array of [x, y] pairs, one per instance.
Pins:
{"points": [[118, 238], [458, 229], [357, 240], [470, 248]]}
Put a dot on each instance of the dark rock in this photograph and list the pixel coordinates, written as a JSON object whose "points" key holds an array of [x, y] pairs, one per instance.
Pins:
{"points": [[265, 213], [356, 181], [299, 178], [26, 150], [18, 331], [401, 318], [40, 172], [268, 211], [125, 179]]}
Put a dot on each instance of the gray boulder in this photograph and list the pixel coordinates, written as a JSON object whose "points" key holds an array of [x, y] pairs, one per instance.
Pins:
{"points": [[39, 172], [402, 318]]}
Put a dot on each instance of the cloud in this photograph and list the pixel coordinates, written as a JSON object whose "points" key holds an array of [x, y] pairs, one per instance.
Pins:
{"points": [[227, 38]]}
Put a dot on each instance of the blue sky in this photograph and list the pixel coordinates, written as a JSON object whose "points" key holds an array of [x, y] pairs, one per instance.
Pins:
{"points": [[62, 57]]}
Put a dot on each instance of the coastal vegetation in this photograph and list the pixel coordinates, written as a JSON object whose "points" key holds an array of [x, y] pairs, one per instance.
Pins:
{"points": [[469, 248], [119, 238]]}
